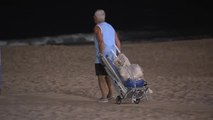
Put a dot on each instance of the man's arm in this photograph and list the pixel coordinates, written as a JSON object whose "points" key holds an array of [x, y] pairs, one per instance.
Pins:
{"points": [[99, 37], [117, 41]]}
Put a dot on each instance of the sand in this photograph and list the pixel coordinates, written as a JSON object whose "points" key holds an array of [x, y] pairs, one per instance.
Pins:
{"points": [[59, 82]]}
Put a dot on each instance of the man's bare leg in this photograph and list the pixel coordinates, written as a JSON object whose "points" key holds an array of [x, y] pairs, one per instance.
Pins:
{"points": [[109, 85], [102, 85]]}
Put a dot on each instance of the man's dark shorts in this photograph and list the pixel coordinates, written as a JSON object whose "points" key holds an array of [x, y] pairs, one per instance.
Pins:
{"points": [[99, 69]]}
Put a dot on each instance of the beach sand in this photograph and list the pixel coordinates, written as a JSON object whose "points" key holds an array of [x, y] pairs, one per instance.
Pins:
{"points": [[59, 82]]}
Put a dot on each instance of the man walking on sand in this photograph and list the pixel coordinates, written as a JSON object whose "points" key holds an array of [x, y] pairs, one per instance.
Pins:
{"points": [[106, 39]]}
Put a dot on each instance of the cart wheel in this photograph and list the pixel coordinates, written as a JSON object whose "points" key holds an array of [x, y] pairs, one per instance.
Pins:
{"points": [[118, 99], [137, 101]]}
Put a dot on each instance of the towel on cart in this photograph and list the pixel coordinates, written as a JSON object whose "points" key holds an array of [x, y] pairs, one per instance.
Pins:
{"points": [[128, 70], [133, 71], [121, 60]]}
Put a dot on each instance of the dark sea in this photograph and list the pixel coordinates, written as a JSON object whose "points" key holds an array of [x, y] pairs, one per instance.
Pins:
{"points": [[156, 35]]}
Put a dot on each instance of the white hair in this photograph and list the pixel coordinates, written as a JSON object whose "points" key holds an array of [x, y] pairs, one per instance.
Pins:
{"points": [[100, 15]]}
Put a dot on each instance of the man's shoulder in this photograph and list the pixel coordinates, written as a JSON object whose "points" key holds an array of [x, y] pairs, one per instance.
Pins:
{"points": [[108, 23], [97, 29]]}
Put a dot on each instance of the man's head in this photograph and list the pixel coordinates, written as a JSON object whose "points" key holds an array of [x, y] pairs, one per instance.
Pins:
{"points": [[99, 16]]}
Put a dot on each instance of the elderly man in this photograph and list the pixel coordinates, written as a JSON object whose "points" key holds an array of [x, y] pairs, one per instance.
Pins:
{"points": [[106, 39]]}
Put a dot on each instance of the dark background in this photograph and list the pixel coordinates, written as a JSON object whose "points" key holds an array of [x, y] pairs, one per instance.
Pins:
{"points": [[28, 19]]}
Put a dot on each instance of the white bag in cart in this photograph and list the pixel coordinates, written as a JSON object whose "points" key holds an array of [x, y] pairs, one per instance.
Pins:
{"points": [[128, 70], [133, 71]]}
